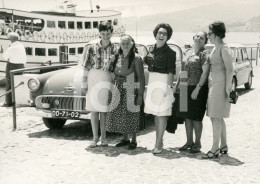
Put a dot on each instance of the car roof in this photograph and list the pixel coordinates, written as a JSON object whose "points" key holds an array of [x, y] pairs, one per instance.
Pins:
{"points": [[231, 45]]}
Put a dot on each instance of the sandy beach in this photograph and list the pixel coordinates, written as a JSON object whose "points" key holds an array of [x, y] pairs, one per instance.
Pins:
{"points": [[35, 155]]}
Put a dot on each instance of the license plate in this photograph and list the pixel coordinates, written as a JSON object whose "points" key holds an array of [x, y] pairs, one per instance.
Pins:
{"points": [[69, 114]]}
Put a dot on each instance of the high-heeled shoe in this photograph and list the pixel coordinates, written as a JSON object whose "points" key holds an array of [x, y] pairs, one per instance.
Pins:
{"points": [[224, 150], [211, 155]]}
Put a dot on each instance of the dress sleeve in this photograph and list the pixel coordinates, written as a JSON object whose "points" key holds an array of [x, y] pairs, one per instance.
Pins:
{"points": [[88, 57], [139, 70], [171, 62]]}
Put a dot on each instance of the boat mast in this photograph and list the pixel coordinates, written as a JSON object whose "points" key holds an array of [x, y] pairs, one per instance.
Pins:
{"points": [[3, 3]]}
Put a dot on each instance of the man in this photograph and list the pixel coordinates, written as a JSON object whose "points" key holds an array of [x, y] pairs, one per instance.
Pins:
{"points": [[15, 56], [97, 60]]}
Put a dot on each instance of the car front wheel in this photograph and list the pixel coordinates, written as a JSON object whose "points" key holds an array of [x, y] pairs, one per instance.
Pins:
{"points": [[53, 123], [249, 83]]}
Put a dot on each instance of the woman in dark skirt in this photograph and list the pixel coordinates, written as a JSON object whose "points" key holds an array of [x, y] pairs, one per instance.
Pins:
{"points": [[125, 113], [197, 69]]}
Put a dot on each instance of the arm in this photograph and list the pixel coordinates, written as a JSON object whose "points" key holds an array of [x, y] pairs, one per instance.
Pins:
{"points": [[139, 70], [227, 58]]}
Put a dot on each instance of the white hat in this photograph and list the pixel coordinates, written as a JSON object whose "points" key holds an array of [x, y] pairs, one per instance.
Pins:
{"points": [[12, 34]]}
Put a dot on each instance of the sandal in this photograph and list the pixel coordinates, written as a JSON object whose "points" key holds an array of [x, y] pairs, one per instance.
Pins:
{"points": [[94, 143], [211, 155], [104, 143], [224, 150], [186, 147]]}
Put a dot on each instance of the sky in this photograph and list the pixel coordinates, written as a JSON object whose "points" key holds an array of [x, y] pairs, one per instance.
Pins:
{"points": [[126, 7]]}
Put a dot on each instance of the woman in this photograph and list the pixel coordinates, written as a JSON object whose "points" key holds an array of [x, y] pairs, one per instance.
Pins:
{"points": [[125, 115], [161, 67], [220, 85], [97, 61], [197, 69]]}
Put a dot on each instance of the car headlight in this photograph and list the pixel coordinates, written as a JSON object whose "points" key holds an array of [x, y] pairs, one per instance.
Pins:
{"points": [[33, 84]]}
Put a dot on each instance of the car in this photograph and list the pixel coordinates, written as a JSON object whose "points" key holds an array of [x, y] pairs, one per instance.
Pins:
{"points": [[242, 65], [61, 95]]}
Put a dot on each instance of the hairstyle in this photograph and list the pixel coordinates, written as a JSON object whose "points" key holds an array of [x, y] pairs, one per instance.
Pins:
{"points": [[205, 34], [105, 26], [132, 51], [218, 28], [165, 26]]}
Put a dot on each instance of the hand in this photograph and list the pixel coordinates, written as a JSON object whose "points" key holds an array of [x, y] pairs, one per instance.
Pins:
{"points": [[139, 100], [168, 91], [228, 90], [195, 93]]}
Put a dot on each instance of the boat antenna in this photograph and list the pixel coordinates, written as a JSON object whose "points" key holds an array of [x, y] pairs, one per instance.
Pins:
{"points": [[91, 8]]}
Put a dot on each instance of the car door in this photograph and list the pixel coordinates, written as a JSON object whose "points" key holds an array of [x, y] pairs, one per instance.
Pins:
{"points": [[246, 65], [242, 66]]}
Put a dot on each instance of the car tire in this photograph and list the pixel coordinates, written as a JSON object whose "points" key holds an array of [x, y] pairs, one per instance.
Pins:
{"points": [[234, 84], [53, 123], [249, 83]]}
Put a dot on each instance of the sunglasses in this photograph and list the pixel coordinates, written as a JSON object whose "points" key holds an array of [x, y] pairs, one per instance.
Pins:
{"points": [[199, 36], [162, 33]]}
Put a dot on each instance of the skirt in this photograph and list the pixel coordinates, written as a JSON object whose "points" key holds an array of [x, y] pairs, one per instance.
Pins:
{"points": [[124, 116], [99, 85], [196, 108], [156, 102]]}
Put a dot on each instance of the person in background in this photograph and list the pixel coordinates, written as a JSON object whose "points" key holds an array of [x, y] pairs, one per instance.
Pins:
{"points": [[197, 69], [220, 86], [126, 116], [161, 66], [15, 55], [97, 60]]}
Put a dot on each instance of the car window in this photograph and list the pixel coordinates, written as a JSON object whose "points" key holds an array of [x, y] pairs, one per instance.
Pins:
{"points": [[239, 55], [244, 52], [142, 50]]}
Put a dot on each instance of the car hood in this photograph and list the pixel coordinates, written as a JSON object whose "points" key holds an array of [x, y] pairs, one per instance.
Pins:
{"points": [[72, 81]]}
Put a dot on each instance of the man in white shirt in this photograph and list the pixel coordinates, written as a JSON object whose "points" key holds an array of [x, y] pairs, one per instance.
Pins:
{"points": [[15, 56]]}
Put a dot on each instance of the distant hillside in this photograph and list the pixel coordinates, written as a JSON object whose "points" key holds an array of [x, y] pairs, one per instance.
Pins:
{"points": [[237, 18]]}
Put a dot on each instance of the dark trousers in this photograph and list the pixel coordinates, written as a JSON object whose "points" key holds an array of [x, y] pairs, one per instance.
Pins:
{"points": [[9, 67]]}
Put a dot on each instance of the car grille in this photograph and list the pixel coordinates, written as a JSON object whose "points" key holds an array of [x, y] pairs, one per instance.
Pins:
{"points": [[71, 103]]}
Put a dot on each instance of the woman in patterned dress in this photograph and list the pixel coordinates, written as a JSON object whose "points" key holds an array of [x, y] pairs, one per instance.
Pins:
{"points": [[125, 113], [197, 69], [220, 85], [161, 67]]}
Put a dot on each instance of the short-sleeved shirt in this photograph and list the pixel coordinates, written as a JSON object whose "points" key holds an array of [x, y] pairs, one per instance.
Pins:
{"points": [[193, 66], [97, 56], [162, 60], [15, 53]]}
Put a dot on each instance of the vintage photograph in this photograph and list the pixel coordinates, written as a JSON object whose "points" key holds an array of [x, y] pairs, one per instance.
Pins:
{"points": [[119, 91]]}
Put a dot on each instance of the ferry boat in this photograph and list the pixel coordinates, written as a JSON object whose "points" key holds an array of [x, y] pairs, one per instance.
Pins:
{"points": [[55, 37]]}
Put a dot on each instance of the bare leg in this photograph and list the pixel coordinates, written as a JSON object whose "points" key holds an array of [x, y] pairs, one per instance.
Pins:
{"points": [[103, 126], [189, 131], [223, 135], [217, 128], [161, 129], [94, 124], [198, 131], [156, 122], [133, 137], [125, 137]]}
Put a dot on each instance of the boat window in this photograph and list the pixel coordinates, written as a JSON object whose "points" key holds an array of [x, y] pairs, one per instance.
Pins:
{"points": [[87, 25], [51, 24], [52, 52], [72, 51], [62, 24], [95, 24], [115, 22], [110, 21], [28, 51], [40, 52], [80, 50], [79, 25], [71, 25]]}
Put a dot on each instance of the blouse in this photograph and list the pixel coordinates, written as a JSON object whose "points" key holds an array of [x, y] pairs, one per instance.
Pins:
{"points": [[121, 69], [97, 56], [162, 60], [193, 66]]}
